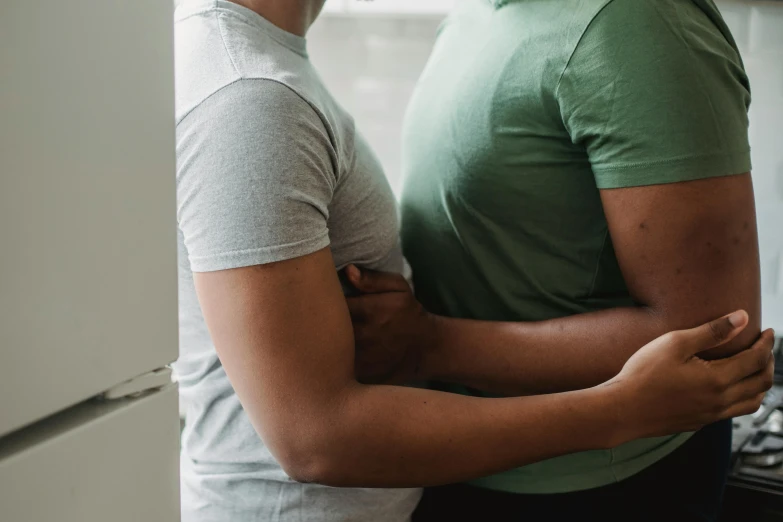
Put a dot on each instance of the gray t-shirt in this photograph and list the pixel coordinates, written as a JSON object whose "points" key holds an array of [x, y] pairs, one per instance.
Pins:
{"points": [[269, 168]]}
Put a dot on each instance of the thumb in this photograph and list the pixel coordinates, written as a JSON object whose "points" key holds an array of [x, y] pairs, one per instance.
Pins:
{"points": [[373, 282], [714, 333]]}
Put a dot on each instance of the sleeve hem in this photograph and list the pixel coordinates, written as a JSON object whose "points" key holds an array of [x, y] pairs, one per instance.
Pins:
{"points": [[258, 256], [679, 170]]}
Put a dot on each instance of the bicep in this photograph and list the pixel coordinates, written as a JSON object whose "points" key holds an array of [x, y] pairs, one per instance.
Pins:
{"points": [[689, 251], [253, 211], [283, 334]]}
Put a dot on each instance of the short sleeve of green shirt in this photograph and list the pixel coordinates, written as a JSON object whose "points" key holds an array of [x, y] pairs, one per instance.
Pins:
{"points": [[657, 97]]}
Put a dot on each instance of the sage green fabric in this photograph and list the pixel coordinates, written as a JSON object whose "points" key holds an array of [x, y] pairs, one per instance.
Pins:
{"points": [[525, 111]]}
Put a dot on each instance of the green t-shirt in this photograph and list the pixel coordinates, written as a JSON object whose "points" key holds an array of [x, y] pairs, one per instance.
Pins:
{"points": [[525, 110]]}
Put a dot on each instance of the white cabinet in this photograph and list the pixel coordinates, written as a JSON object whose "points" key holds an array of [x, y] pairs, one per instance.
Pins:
{"points": [[88, 273], [88, 261], [104, 461]]}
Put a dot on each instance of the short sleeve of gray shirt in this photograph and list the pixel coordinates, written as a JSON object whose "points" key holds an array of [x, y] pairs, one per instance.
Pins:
{"points": [[256, 174]]}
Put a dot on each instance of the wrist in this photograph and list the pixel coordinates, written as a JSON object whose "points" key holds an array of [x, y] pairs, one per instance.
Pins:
{"points": [[617, 400], [432, 342]]}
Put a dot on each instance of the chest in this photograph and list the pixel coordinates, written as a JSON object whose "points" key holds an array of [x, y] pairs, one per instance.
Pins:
{"points": [[363, 219], [484, 133]]}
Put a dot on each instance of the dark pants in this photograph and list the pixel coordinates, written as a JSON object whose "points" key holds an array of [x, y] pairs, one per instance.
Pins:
{"points": [[685, 486]]}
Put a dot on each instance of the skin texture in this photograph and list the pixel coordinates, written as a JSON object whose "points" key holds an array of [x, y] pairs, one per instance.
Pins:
{"points": [[688, 252], [283, 334]]}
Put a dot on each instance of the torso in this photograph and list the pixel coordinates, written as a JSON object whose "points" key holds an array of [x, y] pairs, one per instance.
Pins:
{"points": [[501, 215], [227, 472]]}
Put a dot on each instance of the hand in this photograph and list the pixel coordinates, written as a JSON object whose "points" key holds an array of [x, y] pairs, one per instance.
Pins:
{"points": [[667, 388], [391, 328]]}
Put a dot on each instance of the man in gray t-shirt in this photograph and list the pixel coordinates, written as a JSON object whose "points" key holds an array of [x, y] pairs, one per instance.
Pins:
{"points": [[299, 178]]}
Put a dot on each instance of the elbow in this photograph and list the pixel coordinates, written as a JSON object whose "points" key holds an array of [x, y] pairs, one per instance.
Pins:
{"points": [[681, 318], [316, 462], [308, 469]]}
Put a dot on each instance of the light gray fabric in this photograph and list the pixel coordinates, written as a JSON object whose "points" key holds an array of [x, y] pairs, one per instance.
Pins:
{"points": [[269, 168]]}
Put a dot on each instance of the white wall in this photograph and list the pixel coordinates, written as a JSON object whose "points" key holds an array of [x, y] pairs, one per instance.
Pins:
{"points": [[372, 64]]}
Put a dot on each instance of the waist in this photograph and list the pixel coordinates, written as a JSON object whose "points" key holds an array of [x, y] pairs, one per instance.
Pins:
{"points": [[214, 492]]}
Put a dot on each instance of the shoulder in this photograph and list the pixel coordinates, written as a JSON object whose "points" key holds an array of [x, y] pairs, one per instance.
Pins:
{"points": [[202, 64], [251, 123], [618, 26], [249, 108], [219, 54], [256, 96], [663, 40]]}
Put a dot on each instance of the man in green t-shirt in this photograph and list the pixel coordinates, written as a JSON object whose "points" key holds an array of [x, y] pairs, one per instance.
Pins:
{"points": [[579, 167]]}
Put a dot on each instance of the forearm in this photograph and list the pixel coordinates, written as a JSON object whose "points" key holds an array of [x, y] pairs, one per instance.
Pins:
{"points": [[385, 436], [568, 353], [283, 335], [521, 358]]}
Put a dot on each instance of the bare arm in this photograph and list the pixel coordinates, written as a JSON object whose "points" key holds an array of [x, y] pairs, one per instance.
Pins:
{"points": [[284, 336], [688, 252]]}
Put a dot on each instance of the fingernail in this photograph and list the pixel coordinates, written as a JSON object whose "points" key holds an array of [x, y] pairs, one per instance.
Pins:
{"points": [[737, 319], [355, 272]]}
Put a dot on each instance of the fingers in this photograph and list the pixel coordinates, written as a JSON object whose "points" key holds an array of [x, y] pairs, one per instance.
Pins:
{"points": [[745, 396], [748, 362], [373, 282], [752, 386], [712, 334], [365, 308], [743, 408], [360, 308]]}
